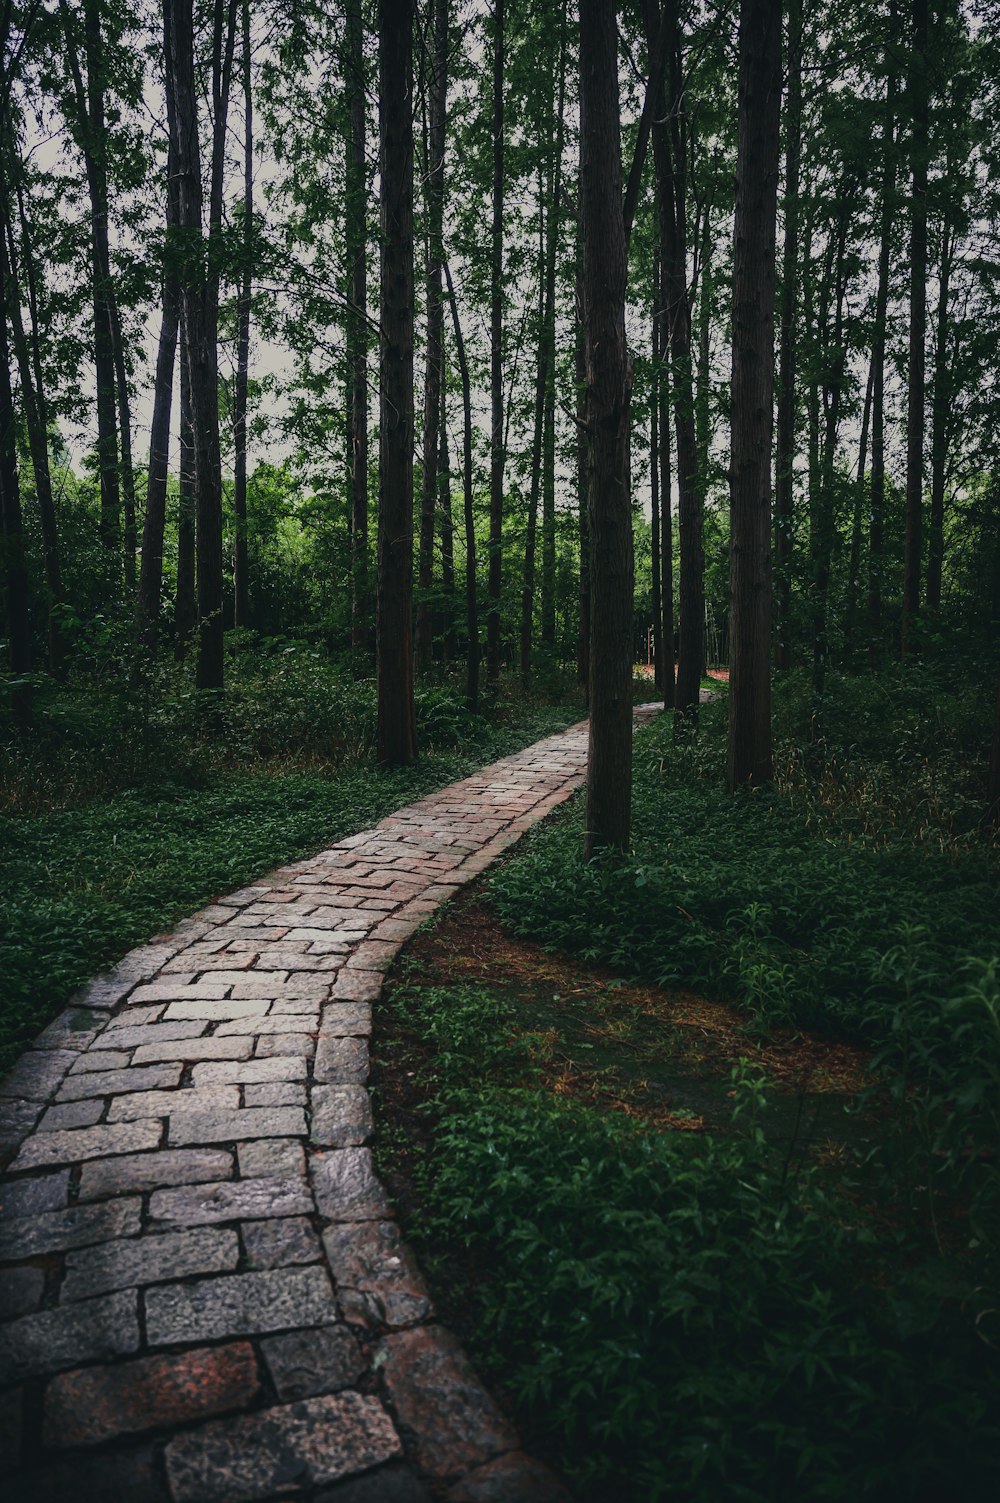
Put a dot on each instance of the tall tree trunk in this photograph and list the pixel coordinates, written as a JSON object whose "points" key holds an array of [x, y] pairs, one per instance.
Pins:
{"points": [[877, 522], [666, 527], [919, 110], [15, 572], [241, 583], [35, 412], [435, 319], [750, 759], [548, 622], [90, 130], [397, 732], [446, 523], [185, 603], [654, 485], [535, 481], [785, 456], [471, 603], [605, 257], [496, 354], [822, 530], [357, 325], [130, 536], [582, 473], [670, 162], [857, 519], [940, 404], [151, 566]]}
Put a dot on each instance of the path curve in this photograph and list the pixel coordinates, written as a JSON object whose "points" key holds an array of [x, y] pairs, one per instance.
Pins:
{"points": [[203, 1292]]}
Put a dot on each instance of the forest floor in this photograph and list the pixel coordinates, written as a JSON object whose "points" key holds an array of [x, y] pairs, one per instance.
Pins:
{"points": [[191, 1224]]}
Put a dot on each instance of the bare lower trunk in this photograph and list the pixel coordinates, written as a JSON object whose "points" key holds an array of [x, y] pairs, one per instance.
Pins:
{"points": [[750, 757], [496, 354], [397, 737], [185, 604], [785, 455], [912, 562], [471, 604], [357, 326], [609, 761], [241, 584], [877, 520]]}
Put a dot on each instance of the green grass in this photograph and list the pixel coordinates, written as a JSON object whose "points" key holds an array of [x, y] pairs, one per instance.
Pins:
{"points": [[681, 1316], [80, 885]]}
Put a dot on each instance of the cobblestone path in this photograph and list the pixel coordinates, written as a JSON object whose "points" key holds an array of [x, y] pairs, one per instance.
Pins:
{"points": [[203, 1293]]}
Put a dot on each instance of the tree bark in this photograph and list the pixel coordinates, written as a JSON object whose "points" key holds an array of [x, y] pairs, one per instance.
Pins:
{"points": [[90, 132], [535, 481], [397, 735], [822, 529], [185, 603], [357, 325], [548, 622], [151, 565], [582, 475], [785, 456], [605, 257], [750, 757], [496, 355], [940, 403], [877, 520], [919, 110], [446, 522], [471, 603], [241, 583], [656, 603], [436, 137], [666, 523], [35, 412], [11, 529], [670, 162]]}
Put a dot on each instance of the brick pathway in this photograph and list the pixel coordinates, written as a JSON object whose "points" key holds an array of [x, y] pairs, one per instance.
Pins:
{"points": [[203, 1293]]}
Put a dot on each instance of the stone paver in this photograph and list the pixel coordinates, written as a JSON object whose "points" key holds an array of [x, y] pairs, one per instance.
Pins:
{"points": [[188, 1168]]}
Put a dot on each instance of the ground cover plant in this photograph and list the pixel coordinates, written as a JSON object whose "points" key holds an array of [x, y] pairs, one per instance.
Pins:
{"points": [[125, 811], [694, 1277]]}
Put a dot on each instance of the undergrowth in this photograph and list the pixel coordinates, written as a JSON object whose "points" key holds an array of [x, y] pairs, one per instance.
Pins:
{"points": [[124, 816], [675, 1316]]}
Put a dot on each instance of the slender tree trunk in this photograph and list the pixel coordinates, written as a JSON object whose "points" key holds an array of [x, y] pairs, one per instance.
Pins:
{"points": [[35, 415], [654, 486], [703, 386], [857, 519], [785, 457], [130, 538], [582, 475], [919, 110], [90, 131], [548, 622], [750, 759], [357, 325], [823, 518], [435, 321], [877, 521], [15, 572], [241, 583], [496, 353], [446, 524], [670, 162], [605, 257], [666, 529], [535, 482], [471, 603], [186, 604], [151, 566], [939, 424], [397, 733]]}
